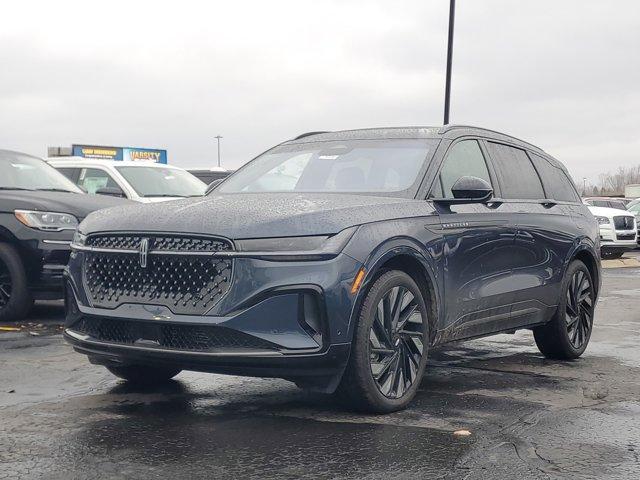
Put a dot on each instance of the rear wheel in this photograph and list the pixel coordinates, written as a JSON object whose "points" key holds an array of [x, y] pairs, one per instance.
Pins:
{"points": [[390, 345], [567, 335], [144, 375], [15, 298]]}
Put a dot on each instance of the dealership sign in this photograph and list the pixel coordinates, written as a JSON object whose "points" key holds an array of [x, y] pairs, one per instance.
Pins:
{"points": [[120, 153]]}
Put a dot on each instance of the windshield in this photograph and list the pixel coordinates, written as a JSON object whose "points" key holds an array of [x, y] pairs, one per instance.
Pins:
{"points": [[22, 172], [162, 182], [373, 166]]}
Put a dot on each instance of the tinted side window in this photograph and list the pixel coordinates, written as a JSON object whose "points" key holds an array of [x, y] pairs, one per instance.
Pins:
{"points": [[556, 183], [464, 158], [518, 178]]}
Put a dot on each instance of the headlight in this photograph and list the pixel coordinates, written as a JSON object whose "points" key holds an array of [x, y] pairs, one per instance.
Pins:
{"points": [[48, 221], [79, 239], [602, 220], [318, 244]]}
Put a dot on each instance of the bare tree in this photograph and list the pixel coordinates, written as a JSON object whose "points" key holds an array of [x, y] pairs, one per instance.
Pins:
{"points": [[613, 183]]}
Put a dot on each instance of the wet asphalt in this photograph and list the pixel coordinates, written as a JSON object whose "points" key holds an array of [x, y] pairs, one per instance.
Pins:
{"points": [[529, 418]]}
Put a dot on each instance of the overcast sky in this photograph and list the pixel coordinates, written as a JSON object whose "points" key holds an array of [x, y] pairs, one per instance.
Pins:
{"points": [[562, 74]]}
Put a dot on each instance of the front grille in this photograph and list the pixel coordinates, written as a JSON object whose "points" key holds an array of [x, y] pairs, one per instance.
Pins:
{"points": [[195, 338], [629, 236], [169, 243], [623, 223], [186, 284]]}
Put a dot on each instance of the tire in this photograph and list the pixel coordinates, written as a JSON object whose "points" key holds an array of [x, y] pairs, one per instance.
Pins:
{"points": [[144, 375], [400, 344], [567, 334], [611, 255], [15, 298]]}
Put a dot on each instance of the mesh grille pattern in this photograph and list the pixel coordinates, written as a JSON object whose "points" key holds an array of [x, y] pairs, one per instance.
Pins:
{"points": [[167, 243], [200, 338], [124, 242], [186, 285], [188, 244]]}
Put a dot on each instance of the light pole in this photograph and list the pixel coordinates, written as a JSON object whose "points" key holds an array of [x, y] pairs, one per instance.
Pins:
{"points": [[584, 186], [218, 137], [447, 89]]}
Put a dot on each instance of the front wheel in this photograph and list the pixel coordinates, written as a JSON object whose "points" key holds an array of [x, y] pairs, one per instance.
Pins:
{"points": [[15, 298], [567, 335], [144, 375], [390, 345]]}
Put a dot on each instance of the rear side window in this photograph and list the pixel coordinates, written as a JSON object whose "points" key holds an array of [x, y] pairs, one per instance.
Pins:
{"points": [[464, 158], [518, 178], [556, 183]]}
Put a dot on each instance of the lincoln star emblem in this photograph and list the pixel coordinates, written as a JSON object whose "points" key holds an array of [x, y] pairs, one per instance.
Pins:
{"points": [[144, 252]]}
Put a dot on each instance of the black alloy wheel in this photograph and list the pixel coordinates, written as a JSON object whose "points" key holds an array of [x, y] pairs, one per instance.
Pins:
{"points": [[396, 342], [579, 309], [567, 334], [390, 346]]}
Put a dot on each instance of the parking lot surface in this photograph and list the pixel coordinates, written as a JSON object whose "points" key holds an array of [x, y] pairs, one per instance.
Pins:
{"points": [[528, 417]]}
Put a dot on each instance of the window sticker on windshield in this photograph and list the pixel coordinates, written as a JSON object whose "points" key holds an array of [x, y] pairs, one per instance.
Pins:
{"points": [[169, 177], [328, 157], [91, 184]]}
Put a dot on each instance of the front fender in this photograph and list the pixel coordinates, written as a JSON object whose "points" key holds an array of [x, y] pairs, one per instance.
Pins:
{"points": [[427, 255]]}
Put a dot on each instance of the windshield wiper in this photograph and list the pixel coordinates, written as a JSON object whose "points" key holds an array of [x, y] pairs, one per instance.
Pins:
{"points": [[54, 190], [16, 188], [165, 195]]}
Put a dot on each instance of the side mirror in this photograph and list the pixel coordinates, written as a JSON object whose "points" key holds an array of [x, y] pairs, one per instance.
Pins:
{"points": [[110, 191], [468, 189], [212, 185]]}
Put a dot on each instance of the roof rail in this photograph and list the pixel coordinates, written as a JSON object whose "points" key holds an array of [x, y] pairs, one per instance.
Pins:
{"points": [[308, 134]]}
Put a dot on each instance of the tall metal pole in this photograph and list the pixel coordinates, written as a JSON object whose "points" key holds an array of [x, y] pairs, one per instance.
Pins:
{"points": [[447, 91], [218, 137]]}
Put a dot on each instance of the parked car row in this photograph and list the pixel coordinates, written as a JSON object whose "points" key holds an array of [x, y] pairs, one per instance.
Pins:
{"points": [[618, 220], [140, 181], [40, 210], [333, 260]]}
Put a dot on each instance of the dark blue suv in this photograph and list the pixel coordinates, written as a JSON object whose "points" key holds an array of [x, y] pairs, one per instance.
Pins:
{"points": [[336, 260]]}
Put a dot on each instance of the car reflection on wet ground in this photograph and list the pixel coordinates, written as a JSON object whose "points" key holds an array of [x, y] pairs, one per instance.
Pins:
{"points": [[61, 417]]}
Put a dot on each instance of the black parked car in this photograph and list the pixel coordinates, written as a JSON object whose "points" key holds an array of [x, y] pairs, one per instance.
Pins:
{"points": [[39, 211], [336, 260]]}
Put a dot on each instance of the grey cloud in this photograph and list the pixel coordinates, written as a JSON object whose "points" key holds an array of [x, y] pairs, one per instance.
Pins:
{"points": [[564, 75]]}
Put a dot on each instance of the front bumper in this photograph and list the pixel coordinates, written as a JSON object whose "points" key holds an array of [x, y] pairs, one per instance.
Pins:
{"points": [[617, 240], [278, 319]]}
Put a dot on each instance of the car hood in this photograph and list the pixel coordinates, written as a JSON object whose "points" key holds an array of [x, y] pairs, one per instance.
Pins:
{"points": [[256, 215], [77, 204]]}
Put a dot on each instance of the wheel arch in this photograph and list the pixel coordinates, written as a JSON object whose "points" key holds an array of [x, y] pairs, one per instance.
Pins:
{"points": [[592, 261], [404, 255]]}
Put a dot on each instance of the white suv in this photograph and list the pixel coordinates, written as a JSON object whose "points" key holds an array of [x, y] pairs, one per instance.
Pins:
{"points": [[140, 181], [618, 231]]}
